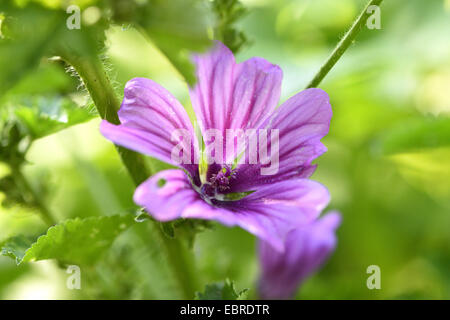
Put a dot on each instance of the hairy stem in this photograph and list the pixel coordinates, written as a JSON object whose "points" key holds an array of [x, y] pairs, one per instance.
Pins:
{"points": [[99, 87], [102, 93], [343, 45]]}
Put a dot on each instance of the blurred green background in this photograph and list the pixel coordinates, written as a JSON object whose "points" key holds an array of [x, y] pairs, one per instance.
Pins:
{"points": [[387, 165]]}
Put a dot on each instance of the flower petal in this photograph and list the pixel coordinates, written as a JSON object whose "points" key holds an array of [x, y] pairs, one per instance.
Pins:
{"points": [[169, 195], [234, 96], [302, 121], [306, 249], [270, 212], [149, 116], [166, 194]]}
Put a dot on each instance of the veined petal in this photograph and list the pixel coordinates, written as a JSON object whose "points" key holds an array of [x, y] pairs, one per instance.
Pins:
{"points": [[306, 250], [149, 116], [166, 194], [271, 211], [169, 195], [233, 96], [302, 121]]}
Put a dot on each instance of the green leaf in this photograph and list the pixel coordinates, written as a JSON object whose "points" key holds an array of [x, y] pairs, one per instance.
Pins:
{"points": [[44, 115], [23, 44], [221, 291], [50, 77], [15, 247], [228, 12], [415, 135], [78, 241], [35, 102], [24, 119]]}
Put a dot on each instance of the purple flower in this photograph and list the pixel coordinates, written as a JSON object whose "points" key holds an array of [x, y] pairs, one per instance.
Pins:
{"points": [[306, 250], [228, 95]]}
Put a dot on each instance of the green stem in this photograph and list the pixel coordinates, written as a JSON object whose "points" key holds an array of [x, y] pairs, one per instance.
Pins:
{"points": [[102, 93], [97, 83], [342, 46], [27, 189], [182, 264]]}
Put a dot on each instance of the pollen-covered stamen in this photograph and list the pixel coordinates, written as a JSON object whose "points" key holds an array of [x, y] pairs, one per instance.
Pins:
{"points": [[221, 180], [217, 184]]}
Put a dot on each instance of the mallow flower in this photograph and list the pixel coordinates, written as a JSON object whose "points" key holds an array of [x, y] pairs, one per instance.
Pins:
{"points": [[306, 250], [228, 96]]}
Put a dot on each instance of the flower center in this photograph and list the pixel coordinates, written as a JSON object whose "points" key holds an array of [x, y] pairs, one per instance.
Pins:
{"points": [[217, 184]]}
